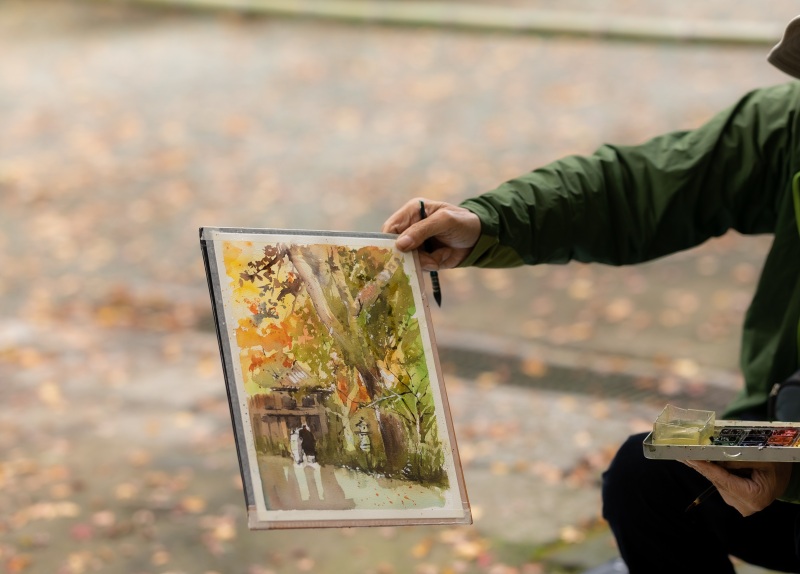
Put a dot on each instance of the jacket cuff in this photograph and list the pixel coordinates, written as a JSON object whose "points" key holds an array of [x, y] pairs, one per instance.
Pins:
{"points": [[486, 243], [488, 252]]}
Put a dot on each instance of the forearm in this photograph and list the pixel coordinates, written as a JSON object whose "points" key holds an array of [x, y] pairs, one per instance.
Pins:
{"points": [[630, 204]]}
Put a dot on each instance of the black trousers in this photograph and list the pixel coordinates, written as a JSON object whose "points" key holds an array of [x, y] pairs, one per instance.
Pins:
{"points": [[644, 502]]}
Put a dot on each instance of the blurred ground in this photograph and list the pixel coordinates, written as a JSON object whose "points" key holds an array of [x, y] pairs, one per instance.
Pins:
{"points": [[127, 128]]}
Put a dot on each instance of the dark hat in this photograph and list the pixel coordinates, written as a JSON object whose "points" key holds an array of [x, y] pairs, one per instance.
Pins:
{"points": [[786, 54]]}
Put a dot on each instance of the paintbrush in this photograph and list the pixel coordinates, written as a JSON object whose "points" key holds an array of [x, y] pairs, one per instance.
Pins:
{"points": [[701, 497], [743, 472], [437, 290]]}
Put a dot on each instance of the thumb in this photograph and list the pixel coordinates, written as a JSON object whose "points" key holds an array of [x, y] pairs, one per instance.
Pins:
{"points": [[415, 235]]}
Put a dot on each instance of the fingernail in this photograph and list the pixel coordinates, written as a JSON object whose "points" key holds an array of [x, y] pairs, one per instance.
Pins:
{"points": [[403, 242]]}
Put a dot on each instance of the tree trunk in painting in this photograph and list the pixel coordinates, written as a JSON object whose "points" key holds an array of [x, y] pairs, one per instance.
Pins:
{"points": [[394, 440], [321, 271]]}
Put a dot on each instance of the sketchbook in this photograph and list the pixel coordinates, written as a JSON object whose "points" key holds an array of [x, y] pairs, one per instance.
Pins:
{"points": [[338, 405]]}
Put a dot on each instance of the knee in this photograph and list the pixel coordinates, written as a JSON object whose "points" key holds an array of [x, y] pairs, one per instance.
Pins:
{"points": [[625, 475]]}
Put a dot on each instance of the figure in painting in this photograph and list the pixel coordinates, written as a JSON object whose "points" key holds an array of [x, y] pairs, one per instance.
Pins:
{"points": [[363, 436], [295, 444], [308, 444]]}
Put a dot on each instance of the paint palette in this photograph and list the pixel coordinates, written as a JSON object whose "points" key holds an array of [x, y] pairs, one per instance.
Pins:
{"points": [[683, 426], [735, 440]]}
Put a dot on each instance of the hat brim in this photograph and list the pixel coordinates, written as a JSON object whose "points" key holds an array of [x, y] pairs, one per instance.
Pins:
{"points": [[786, 54]]}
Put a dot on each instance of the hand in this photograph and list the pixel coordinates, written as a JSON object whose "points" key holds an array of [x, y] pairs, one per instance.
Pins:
{"points": [[748, 495], [454, 231]]}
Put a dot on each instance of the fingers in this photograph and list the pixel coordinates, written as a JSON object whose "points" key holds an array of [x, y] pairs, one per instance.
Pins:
{"points": [[440, 259], [748, 487], [725, 483], [401, 221], [721, 476], [414, 236], [446, 257], [455, 231], [409, 214], [711, 471]]}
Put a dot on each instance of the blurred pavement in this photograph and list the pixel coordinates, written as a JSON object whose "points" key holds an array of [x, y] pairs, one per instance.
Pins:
{"points": [[125, 128]]}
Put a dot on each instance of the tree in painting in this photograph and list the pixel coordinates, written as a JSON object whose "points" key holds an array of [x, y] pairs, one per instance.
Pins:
{"points": [[341, 320]]}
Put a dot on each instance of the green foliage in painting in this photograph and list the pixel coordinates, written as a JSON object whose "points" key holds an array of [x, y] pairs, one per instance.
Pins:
{"points": [[344, 320]]}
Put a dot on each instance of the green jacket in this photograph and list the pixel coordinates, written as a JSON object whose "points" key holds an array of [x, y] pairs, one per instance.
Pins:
{"points": [[628, 204]]}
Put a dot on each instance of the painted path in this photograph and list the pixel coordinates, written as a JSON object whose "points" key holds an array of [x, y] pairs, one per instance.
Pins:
{"points": [[323, 487]]}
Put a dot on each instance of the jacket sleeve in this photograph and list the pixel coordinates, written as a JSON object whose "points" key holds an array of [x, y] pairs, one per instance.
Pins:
{"points": [[629, 204]]}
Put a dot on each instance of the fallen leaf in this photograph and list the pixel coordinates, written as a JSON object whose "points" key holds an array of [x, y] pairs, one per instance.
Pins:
{"points": [[534, 368], [422, 548], [571, 535], [81, 532], [159, 558], [18, 563], [193, 504]]}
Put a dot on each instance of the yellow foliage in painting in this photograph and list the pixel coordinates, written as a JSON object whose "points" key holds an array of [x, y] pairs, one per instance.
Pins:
{"points": [[235, 261], [244, 362], [247, 334], [273, 338], [236, 257]]}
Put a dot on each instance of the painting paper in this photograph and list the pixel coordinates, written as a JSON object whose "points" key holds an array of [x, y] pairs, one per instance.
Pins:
{"points": [[338, 405]]}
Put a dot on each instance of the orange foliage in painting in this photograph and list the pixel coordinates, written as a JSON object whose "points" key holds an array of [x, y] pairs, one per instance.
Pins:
{"points": [[276, 339], [273, 338], [343, 386], [256, 360], [264, 346], [247, 334]]}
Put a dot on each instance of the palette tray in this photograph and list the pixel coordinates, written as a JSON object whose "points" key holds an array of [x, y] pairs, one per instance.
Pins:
{"points": [[735, 440]]}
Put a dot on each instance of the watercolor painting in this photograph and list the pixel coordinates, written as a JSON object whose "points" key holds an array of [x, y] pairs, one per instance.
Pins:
{"points": [[337, 390]]}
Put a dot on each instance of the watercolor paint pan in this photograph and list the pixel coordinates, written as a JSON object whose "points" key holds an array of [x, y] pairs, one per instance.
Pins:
{"points": [[736, 440]]}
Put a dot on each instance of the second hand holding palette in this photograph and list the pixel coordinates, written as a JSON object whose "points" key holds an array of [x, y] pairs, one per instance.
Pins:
{"points": [[686, 434]]}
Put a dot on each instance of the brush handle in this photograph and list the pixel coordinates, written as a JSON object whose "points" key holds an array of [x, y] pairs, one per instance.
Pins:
{"points": [[428, 245]]}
